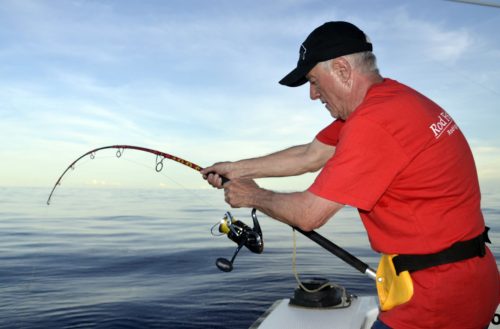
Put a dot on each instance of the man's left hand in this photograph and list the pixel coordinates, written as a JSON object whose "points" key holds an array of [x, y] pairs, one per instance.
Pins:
{"points": [[241, 192]]}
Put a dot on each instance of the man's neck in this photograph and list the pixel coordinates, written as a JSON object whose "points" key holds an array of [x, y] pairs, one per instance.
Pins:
{"points": [[362, 84]]}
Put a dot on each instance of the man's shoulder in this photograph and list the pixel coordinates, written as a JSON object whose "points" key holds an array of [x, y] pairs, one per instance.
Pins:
{"points": [[392, 102], [401, 112]]}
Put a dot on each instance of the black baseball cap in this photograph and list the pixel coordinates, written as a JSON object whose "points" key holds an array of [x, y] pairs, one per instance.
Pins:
{"points": [[330, 40]]}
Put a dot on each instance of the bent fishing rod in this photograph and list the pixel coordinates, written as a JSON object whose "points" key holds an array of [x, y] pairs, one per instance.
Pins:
{"points": [[236, 230], [160, 156]]}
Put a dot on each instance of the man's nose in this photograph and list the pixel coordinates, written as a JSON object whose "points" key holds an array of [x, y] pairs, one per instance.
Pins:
{"points": [[313, 92]]}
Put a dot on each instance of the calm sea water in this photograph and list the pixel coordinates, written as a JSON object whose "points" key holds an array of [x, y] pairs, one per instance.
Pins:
{"points": [[112, 258]]}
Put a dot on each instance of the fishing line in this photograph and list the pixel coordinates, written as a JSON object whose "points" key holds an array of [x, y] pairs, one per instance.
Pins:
{"points": [[198, 197], [192, 192], [144, 165], [137, 163]]}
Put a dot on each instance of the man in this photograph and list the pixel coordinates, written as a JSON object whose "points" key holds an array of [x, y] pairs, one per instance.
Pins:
{"points": [[403, 162]]}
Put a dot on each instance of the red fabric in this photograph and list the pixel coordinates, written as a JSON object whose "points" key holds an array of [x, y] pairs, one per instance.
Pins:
{"points": [[404, 163], [330, 134]]}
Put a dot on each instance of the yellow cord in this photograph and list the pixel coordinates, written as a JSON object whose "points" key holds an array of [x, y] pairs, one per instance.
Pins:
{"points": [[294, 268], [346, 299]]}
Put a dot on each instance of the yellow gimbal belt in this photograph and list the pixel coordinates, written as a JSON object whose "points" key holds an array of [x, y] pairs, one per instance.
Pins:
{"points": [[393, 280], [392, 289]]}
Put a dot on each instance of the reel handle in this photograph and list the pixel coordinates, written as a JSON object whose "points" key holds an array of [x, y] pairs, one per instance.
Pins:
{"points": [[226, 265]]}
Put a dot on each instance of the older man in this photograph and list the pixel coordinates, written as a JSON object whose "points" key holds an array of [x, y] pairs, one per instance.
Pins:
{"points": [[403, 162]]}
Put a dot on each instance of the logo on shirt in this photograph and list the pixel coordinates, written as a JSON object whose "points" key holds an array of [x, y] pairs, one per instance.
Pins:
{"points": [[443, 124]]}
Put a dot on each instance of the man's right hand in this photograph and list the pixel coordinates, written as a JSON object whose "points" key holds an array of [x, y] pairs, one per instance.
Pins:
{"points": [[213, 173]]}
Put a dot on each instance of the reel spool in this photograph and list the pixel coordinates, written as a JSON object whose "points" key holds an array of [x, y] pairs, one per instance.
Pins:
{"points": [[242, 235]]}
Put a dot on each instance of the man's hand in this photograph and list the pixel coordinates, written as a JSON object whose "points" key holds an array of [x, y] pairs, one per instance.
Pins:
{"points": [[241, 193], [213, 173]]}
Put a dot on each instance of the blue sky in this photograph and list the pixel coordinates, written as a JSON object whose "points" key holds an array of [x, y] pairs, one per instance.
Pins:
{"points": [[199, 79]]}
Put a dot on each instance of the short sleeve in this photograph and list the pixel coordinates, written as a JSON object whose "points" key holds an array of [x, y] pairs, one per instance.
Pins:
{"points": [[366, 161], [330, 134]]}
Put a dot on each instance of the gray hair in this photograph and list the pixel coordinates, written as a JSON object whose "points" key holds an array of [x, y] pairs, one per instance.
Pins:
{"points": [[365, 62]]}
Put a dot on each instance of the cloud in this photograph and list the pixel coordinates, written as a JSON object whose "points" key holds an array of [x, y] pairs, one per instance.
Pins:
{"points": [[421, 38]]}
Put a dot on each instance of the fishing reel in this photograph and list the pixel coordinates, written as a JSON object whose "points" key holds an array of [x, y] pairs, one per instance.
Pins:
{"points": [[242, 235]]}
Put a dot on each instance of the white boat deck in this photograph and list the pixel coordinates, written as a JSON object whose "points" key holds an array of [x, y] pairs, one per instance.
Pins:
{"points": [[360, 315]]}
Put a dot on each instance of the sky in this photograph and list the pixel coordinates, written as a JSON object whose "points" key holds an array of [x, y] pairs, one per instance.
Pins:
{"points": [[199, 80]]}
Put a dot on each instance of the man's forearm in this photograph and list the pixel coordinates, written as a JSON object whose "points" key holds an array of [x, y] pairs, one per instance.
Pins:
{"points": [[292, 161], [300, 209], [278, 164]]}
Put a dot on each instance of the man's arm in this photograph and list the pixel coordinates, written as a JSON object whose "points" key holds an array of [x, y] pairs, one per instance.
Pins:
{"points": [[292, 161], [301, 209]]}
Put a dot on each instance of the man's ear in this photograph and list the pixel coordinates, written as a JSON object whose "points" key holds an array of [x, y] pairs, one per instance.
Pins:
{"points": [[342, 69]]}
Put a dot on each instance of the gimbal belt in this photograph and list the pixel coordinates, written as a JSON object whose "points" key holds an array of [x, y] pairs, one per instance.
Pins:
{"points": [[458, 251]]}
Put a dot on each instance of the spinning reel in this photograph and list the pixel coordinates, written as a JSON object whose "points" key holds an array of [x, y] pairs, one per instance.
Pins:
{"points": [[242, 235]]}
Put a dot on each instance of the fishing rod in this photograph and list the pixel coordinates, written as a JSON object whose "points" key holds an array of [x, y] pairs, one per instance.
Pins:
{"points": [[236, 231], [340, 253], [160, 156]]}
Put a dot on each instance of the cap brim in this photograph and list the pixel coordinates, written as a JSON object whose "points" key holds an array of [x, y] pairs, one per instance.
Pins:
{"points": [[297, 77]]}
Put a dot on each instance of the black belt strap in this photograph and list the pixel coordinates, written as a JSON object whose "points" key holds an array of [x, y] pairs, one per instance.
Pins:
{"points": [[458, 251]]}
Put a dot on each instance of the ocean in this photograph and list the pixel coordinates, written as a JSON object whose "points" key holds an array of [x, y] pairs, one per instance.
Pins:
{"points": [[139, 258]]}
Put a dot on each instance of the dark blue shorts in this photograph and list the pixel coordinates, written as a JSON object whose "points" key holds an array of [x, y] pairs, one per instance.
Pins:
{"points": [[379, 325]]}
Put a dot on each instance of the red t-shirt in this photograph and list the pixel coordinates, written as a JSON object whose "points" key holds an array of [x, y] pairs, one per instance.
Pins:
{"points": [[404, 163], [330, 134]]}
